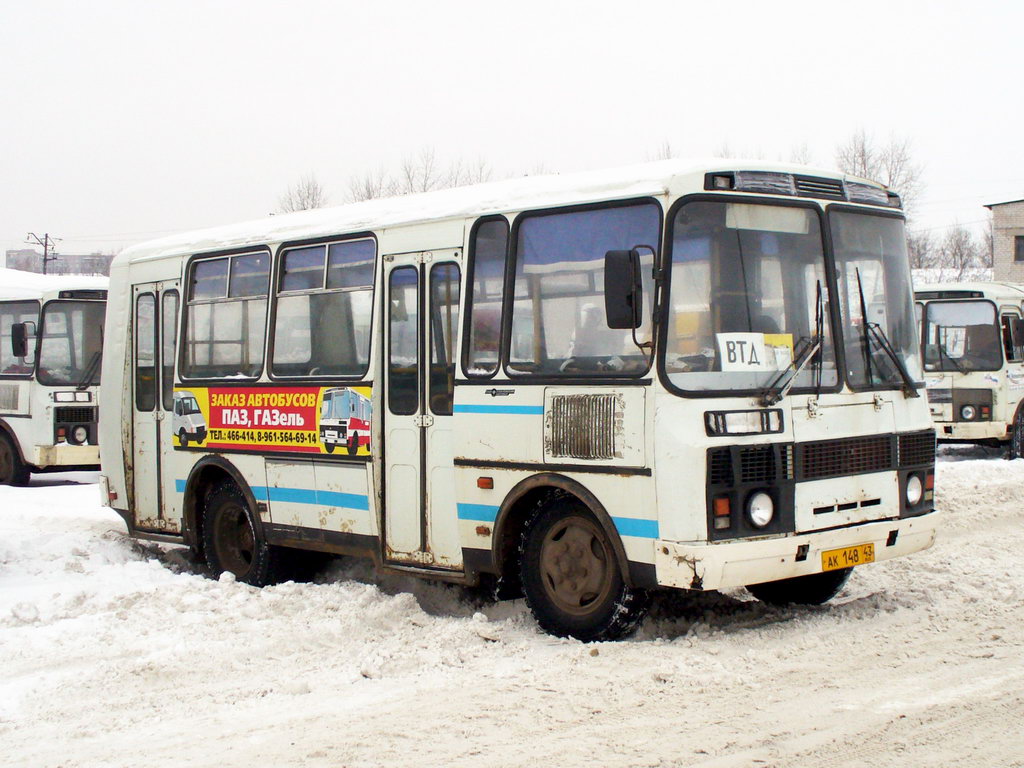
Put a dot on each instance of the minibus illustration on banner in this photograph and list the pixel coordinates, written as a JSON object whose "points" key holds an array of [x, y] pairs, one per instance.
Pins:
{"points": [[188, 424]]}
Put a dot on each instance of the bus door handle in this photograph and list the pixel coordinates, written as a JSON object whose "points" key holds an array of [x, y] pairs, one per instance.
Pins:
{"points": [[424, 420]]}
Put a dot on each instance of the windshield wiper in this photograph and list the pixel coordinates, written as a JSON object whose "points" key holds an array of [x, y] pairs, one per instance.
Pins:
{"points": [[944, 353], [90, 370], [781, 384], [874, 331]]}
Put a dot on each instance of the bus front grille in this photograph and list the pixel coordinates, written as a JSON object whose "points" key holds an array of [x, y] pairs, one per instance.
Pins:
{"points": [[811, 186], [847, 456], [917, 448], [74, 415]]}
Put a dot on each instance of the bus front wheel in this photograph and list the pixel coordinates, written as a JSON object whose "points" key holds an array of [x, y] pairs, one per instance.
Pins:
{"points": [[571, 578], [813, 589], [12, 469], [1017, 435], [234, 543]]}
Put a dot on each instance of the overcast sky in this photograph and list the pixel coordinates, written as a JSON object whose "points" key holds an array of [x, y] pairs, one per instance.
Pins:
{"points": [[123, 121]]}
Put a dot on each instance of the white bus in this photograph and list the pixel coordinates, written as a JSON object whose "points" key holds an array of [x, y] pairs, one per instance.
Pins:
{"points": [[973, 346], [51, 342], [344, 419], [677, 375]]}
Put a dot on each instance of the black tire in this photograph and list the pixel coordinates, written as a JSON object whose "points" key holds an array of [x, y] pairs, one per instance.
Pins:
{"points": [[329, 447], [571, 576], [183, 439], [1017, 436], [233, 540], [813, 589], [13, 470], [353, 444]]}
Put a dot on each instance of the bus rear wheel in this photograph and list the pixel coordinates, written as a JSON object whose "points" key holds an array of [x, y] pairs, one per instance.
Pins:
{"points": [[353, 444], [813, 589], [571, 577], [12, 469], [234, 543]]}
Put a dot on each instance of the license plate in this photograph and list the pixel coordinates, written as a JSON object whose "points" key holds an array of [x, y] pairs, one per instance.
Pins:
{"points": [[847, 557]]}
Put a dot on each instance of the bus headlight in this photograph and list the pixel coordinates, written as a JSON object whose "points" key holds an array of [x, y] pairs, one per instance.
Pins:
{"points": [[915, 489], [760, 509], [968, 412], [79, 434]]}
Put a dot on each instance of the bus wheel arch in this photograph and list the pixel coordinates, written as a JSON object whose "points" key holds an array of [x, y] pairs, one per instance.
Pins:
{"points": [[13, 469], [1016, 446], [523, 503], [206, 476]]}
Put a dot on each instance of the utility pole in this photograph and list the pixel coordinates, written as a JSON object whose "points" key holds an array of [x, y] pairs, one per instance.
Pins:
{"points": [[48, 244]]}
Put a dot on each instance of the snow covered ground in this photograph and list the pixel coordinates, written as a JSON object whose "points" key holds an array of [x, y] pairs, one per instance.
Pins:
{"points": [[114, 653]]}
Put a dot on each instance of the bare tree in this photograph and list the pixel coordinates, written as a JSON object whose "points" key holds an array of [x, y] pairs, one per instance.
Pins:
{"points": [[663, 151], [922, 251], [800, 154], [303, 196], [371, 185], [890, 163], [988, 244], [420, 172], [960, 255]]}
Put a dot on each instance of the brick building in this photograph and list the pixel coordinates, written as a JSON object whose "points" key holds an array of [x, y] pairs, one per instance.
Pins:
{"points": [[1008, 240], [31, 260]]}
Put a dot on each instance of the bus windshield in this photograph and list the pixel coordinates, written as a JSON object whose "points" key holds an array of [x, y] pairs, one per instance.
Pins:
{"points": [[961, 336], [876, 300], [71, 343], [748, 296]]}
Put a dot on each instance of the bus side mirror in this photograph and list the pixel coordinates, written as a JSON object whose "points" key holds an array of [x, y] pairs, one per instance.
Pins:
{"points": [[623, 291], [19, 339]]}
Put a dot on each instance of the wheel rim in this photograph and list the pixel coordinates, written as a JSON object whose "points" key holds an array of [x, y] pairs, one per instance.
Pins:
{"points": [[576, 565], [6, 462], [234, 539]]}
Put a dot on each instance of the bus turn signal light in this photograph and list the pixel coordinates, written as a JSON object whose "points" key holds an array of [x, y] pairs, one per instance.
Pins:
{"points": [[487, 483]]}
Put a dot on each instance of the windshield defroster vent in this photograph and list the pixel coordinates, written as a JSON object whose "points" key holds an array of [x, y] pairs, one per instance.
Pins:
{"points": [[812, 186]]}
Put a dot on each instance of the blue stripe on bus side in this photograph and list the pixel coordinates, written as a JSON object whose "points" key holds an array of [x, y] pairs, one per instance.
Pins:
{"points": [[626, 526], [518, 410], [484, 513], [641, 529], [302, 496]]}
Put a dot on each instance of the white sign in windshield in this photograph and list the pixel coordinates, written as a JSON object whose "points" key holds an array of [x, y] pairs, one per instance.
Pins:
{"points": [[755, 351]]}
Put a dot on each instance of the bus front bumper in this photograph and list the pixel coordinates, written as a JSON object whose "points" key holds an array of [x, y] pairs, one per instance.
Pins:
{"points": [[971, 430], [702, 566], [64, 455]]}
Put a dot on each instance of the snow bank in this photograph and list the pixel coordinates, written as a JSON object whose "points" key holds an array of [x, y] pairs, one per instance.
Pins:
{"points": [[118, 653]]}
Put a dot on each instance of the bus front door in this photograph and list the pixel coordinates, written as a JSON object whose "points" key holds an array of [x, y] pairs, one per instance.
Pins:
{"points": [[421, 318], [154, 327]]}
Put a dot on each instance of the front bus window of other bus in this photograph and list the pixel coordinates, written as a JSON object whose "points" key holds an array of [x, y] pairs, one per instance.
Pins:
{"points": [[71, 343], [961, 336], [876, 301], [748, 298]]}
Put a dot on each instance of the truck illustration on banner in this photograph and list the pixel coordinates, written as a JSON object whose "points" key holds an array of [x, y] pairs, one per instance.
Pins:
{"points": [[344, 419]]}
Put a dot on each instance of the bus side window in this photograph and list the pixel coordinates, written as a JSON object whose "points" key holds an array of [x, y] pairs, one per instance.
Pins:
{"points": [[488, 247], [12, 313], [444, 320], [168, 334], [1013, 338], [226, 316], [145, 348], [323, 309]]}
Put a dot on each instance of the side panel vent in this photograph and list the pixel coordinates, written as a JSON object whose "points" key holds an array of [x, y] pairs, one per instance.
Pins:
{"points": [[584, 426], [9, 397]]}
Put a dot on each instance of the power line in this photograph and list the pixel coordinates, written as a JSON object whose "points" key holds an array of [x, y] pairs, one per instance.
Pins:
{"points": [[47, 242]]}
